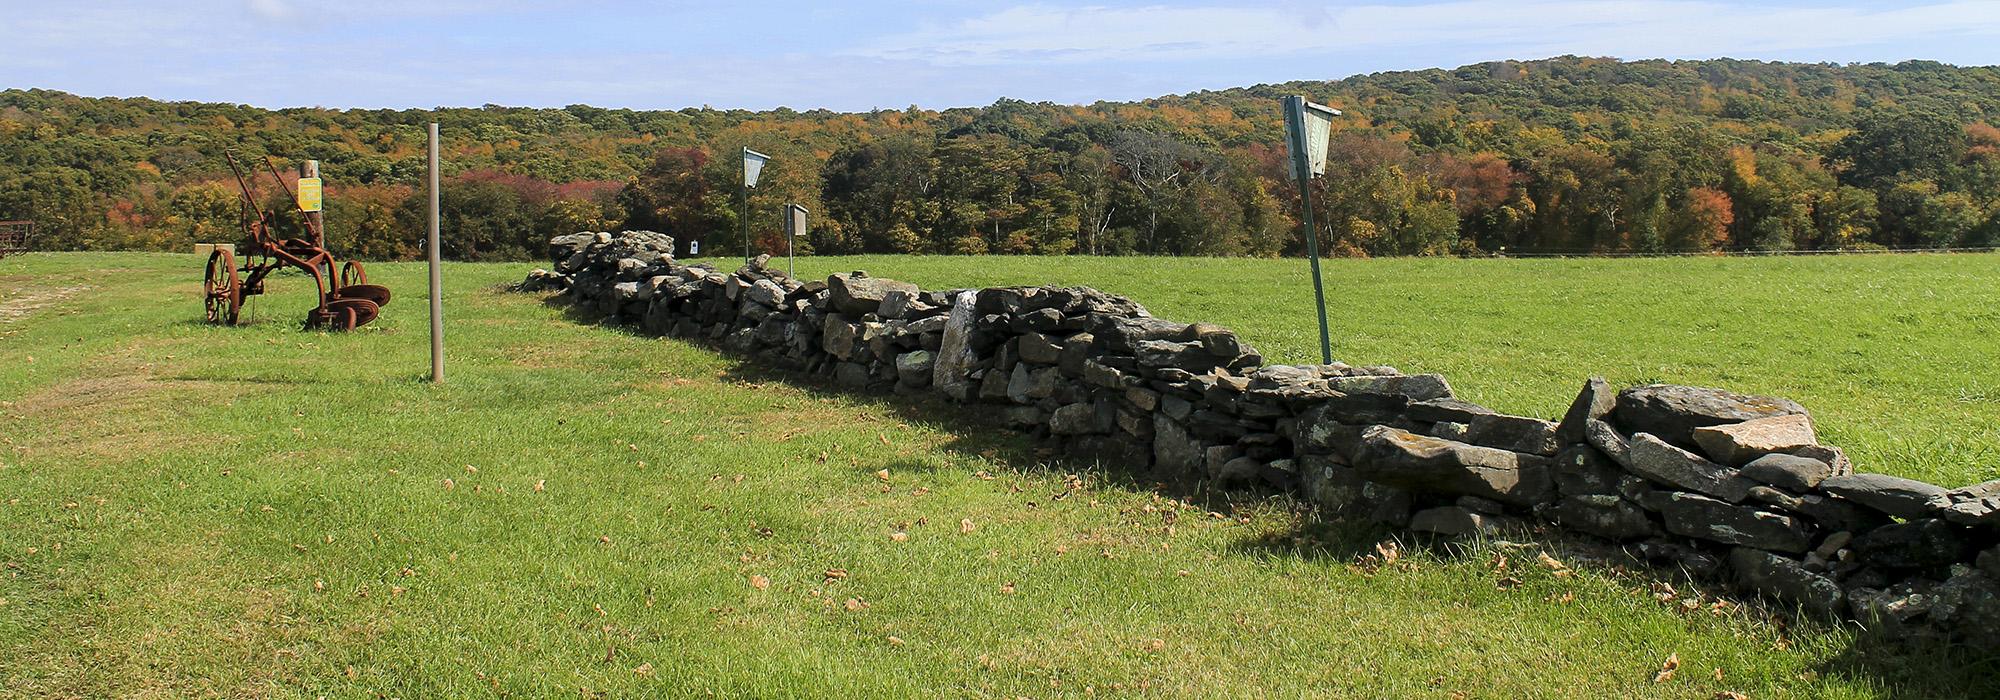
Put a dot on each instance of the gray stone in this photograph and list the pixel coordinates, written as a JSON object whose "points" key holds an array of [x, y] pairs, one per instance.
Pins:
{"points": [[1078, 419], [1415, 387], [850, 374], [1786, 580], [1515, 433], [1705, 518], [1456, 522], [1974, 505], [1446, 411], [1174, 451], [1736, 444], [1405, 460], [838, 337], [854, 294], [1608, 442], [1989, 562], [1214, 458], [1897, 496], [955, 358], [1594, 402], [1582, 470], [1039, 349], [1662, 463], [1163, 353], [1916, 544], [1451, 431], [1969, 606], [1024, 417], [914, 368], [1788, 471], [1603, 515], [1026, 385], [1329, 483], [900, 304], [1673, 412], [1142, 399], [1238, 470], [767, 293]]}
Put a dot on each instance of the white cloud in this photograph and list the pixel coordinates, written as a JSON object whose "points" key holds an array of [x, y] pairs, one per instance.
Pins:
{"points": [[271, 9], [1043, 33]]}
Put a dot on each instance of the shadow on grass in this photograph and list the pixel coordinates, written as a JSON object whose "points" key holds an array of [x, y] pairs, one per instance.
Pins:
{"points": [[1922, 668]]}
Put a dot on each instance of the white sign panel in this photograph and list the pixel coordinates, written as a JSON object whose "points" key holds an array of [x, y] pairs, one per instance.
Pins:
{"points": [[753, 165]]}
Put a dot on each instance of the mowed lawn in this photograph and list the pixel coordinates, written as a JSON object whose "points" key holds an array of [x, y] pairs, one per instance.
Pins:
{"points": [[260, 512]]}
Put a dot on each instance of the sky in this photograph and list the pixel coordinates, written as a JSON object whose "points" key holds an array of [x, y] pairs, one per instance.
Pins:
{"points": [[866, 54]]}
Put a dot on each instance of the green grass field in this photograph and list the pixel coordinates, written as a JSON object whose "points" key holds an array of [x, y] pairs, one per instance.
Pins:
{"points": [[259, 512]]}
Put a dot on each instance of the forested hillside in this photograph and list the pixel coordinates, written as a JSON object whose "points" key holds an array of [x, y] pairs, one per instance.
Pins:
{"points": [[1566, 155]]}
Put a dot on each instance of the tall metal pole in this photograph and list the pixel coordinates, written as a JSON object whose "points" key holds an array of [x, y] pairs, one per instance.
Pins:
{"points": [[437, 278], [746, 221], [1295, 127]]}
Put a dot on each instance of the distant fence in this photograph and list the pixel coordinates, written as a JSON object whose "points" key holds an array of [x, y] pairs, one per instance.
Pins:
{"points": [[1503, 253]]}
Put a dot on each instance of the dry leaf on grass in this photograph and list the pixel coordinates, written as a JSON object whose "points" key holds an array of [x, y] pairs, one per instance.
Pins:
{"points": [[965, 525], [836, 574], [759, 582], [539, 484], [645, 669], [899, 536], [883, 475], [856, 605], [1007, 588], [895, 641], [1667, 669]]}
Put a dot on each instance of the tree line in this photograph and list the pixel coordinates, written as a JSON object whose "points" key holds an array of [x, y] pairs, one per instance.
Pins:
{"points": [[1566, 155]]}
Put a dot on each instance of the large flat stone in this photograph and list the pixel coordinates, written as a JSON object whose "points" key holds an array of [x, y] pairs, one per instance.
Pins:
{"points": [[1786, 580], [1660, 462], [1897, 496], [1673, 412], [856, 294], [1406, 460], [1785, 471], [1415, 387], [1705, 518], [1736, 444]]}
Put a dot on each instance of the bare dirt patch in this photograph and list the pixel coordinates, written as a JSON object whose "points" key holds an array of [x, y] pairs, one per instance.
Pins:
{"points": [[23, 301]]}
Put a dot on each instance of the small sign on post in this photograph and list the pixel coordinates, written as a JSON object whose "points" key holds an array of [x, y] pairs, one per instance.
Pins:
{"points": [[694, 248], [309, 194], [795, 226]]}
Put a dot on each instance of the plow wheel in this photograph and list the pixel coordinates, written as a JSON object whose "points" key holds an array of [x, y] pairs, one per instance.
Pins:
{"points": [[354, 285], [352, 273], [222, 290], [343, 314]]}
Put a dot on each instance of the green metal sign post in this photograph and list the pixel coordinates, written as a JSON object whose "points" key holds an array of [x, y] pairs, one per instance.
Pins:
{"points": [[1308, 127]]}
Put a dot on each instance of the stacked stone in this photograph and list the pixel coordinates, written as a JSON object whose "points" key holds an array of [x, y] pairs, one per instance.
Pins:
{"points": [[1714, 483]]}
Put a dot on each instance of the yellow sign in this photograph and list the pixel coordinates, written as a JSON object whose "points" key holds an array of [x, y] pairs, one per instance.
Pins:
{"points": [[309, 194]]}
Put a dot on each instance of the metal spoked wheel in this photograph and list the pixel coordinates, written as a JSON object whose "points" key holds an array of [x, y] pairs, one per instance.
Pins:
{"points": [[222, 289], [352, 273]]}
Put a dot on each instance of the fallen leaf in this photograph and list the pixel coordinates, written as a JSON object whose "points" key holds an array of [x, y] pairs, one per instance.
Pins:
{"points": [[539, 483], [883, 475], [645, 669], [965, 525], [895, 641], [469, 469], [856, 604], [759, 582], [1667, 669], [899, 536], [836, 574], [1156, 644], [1007, 588]]}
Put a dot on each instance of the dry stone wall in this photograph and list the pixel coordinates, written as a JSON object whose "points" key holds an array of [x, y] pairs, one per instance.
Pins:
{"points": [[1726, 486]]}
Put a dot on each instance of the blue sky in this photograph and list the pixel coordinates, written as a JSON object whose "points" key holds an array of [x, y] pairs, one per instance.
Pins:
{"points": [[859, 55]]}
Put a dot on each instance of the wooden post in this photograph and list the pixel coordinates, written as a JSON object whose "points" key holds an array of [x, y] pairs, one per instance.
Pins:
{"points": [[437, 279], [314, 221]]}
